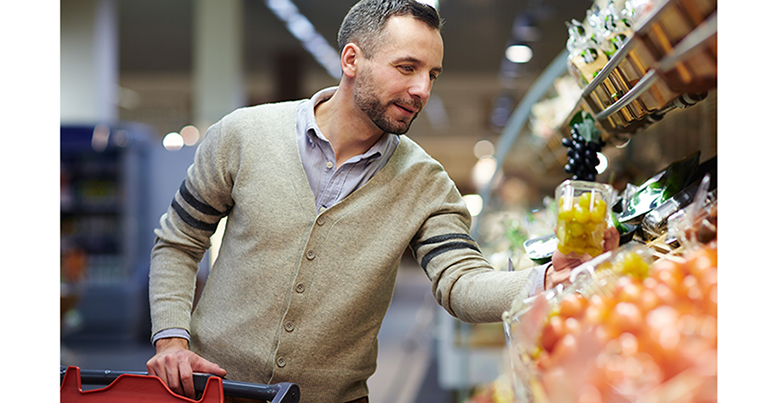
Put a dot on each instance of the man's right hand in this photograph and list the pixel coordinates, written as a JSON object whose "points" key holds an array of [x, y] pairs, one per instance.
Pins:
{"points": [[174, 364]]}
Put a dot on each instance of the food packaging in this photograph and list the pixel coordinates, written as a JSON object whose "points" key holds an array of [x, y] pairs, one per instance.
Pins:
{"points": [[632, 329], [540, 249], [656, 190], [582, 216], [697, 223]]}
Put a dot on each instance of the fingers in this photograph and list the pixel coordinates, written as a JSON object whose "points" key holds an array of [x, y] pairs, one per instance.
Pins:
{"points": [[172, 368], [175, 367], [611, 239], [565, 262], [555, 276], [186, 379], [209, 367], [166, 367], [201, 365]]}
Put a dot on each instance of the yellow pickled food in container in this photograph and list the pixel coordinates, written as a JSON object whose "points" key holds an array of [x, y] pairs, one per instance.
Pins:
{"points": [[581, 223]]}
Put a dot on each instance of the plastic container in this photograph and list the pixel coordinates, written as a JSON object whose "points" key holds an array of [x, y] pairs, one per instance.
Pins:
{"points": [[582, 216]]}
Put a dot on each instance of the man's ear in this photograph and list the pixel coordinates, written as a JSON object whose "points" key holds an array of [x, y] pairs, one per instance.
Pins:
{"points": [[349, 59]]}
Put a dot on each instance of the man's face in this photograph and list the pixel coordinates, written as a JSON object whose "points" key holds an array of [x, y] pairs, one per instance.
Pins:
{"points": [[394, 85]]}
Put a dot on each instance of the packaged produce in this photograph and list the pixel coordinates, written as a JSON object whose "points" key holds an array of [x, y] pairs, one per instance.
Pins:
{"points": [[634, 330], [582, 216], [540, 249], [592, 42], [656, 190], [697, 223], [655, 223], [702, 189], [636, 10], [614, 26], [586, 59]]}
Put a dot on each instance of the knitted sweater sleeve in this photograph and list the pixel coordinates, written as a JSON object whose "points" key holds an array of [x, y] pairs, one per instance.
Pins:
{"points": [[463, 281], [203, 198]]}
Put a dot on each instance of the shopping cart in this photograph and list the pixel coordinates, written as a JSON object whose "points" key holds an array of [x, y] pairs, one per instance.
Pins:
{"points": [[130, 387]]}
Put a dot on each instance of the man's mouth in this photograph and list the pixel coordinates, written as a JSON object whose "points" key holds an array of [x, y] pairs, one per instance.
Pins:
{"points": [[411, 109]]}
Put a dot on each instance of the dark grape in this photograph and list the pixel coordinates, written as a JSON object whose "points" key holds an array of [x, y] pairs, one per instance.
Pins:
{"points": [[582, 156]]}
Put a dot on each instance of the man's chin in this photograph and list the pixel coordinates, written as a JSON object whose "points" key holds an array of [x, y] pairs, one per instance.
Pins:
{"points": [[399, 129]]}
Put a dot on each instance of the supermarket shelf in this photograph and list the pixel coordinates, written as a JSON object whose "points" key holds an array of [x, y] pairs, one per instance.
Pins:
{"points": [[694, 42], [669, 63], [671, 55], [647, 77]]}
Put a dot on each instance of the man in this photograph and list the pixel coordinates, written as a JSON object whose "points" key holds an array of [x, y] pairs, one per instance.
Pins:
{"points": [[322, 197]]}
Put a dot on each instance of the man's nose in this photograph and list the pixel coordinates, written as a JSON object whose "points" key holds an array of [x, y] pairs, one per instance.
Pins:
{"points": [[421, 87]]}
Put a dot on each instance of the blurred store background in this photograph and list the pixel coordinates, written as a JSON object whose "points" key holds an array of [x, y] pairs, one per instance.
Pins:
{"points": [[141, 80]]}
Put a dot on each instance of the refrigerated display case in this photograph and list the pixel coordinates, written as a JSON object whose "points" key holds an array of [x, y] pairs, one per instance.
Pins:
{"points": [[653, 102]]}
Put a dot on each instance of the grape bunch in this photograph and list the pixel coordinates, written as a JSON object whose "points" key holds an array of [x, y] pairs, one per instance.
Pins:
{"points": [[582, 156]]}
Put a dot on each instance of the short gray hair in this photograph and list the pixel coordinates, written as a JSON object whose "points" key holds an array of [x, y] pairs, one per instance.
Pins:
{"points": [[364, 23]]}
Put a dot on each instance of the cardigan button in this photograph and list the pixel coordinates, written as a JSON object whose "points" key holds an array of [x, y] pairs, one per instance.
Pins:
{"points": [[289, 326], [299, 288], [310, 255], [321, 220], [280, 361]]}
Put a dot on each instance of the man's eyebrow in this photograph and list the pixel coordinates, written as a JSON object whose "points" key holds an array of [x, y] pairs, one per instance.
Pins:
{"points": [[411, 59]]}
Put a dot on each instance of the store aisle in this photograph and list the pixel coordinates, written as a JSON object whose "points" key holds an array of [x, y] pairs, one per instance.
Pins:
{"points": [[404, 340], [405, 353]]}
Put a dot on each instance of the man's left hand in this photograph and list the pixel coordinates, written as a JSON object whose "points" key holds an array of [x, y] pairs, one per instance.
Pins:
{"points": [[562, 265]]}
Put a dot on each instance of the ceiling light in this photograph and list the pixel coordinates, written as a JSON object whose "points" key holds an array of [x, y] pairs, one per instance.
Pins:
{"points": [[484, 149], [190, 134], [303, 29], [483, 171], [173, 141], [475, 203], [518, 53]]}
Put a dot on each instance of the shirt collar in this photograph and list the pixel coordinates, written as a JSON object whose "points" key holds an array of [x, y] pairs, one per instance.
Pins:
{"points": [[307, 122], [309, 126]]}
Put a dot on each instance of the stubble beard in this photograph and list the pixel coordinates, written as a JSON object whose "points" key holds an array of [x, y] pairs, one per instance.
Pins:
{"points": [[364, 95]]}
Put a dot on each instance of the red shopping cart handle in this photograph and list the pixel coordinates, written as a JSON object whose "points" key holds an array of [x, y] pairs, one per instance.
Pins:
{"points": [[283, 392]]}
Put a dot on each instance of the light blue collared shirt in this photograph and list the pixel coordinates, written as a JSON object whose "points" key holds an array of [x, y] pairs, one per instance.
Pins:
{"points": [[330, 183]]}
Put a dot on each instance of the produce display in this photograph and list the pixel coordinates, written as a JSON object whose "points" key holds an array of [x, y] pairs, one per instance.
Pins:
{"points": [[634, 331], [607, 26], [638, 324]]}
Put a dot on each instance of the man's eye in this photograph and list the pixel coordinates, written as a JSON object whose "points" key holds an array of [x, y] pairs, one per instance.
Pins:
{"points": [[407, 68]]}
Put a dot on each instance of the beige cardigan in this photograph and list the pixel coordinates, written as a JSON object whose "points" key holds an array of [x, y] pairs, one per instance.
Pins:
{"points": [[299, 296]]}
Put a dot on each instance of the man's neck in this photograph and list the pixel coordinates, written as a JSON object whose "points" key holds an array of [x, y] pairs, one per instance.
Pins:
{"points": [[348, 130]]}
